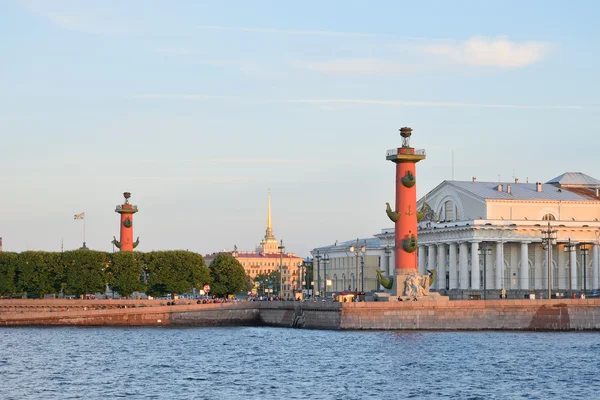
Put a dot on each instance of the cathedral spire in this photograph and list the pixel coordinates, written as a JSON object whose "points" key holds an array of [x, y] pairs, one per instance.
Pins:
{"points": [[269, 234]]}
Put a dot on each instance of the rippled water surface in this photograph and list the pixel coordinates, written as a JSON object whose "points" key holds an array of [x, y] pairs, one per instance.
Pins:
{"points": [[266, 363]]}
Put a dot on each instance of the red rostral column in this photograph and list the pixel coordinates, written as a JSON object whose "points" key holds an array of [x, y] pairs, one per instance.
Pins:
{"points": [[126, 210], [405, 214]]}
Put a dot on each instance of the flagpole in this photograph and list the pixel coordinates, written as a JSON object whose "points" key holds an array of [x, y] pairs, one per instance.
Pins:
{"points": [[84, 228]]}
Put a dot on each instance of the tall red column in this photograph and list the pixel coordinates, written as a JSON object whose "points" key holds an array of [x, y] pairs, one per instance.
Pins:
{"points": [[405, 214], [126, 210]]}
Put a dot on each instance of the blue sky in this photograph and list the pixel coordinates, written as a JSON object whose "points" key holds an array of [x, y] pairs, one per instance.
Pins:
{"points": [[199, 107]]}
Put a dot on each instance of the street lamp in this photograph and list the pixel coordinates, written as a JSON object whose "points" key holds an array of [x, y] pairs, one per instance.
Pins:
{"points": [[281, 251], [484, 251], [358, 250], [318, 257], [325, 261], [306, 264], [549, 238], [569, 248], [584, 251]]}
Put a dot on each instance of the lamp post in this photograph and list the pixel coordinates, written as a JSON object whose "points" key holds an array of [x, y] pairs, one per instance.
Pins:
{"points": [[484, 251], [281, 251], [318, 257], [325, 261], [357, 250], [306, 264], [568, 249], [362, 272], [584, 251], [548, 238]]}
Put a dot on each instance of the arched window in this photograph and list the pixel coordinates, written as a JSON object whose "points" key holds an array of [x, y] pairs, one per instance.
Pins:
{"points": [[449, 214], [548, 217]]}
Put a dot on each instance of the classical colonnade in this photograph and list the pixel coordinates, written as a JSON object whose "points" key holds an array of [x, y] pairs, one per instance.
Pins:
{"points": [[514, 265]]}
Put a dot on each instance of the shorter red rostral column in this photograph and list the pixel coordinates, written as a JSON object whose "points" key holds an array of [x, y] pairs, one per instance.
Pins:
{"points": [[126, 210]]}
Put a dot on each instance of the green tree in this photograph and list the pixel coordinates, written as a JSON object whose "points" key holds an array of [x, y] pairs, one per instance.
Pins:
{"points": [[175, 271], [8, 273], [227, 274], [124, 272], [85, 271], [268, 280], [38, 272]]}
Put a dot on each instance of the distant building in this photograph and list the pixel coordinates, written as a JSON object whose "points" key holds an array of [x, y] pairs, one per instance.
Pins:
{"points": [[341, 266], [269, 257]]}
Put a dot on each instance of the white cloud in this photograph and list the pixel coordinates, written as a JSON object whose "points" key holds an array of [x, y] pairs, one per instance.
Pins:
{"points": [[158, 96], [491, 52], [174, 51], [433, 104], [285, 31], [363, 66]]}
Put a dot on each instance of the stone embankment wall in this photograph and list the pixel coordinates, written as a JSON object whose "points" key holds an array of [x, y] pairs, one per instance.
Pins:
{"points": [[124, 313], [558, 315], [475, 315]]}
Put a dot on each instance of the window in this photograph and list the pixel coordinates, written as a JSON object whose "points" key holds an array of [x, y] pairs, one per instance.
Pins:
{"points": [[449, 211], [548, 217]]}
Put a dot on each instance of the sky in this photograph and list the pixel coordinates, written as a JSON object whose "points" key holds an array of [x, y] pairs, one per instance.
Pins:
{"points": [[198, 108]]}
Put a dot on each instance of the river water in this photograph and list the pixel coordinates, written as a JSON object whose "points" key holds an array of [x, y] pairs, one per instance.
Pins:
{"points": [[276, 363]]}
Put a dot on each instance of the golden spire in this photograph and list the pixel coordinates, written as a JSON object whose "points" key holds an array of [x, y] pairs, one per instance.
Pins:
{"points": [[269, 234]]}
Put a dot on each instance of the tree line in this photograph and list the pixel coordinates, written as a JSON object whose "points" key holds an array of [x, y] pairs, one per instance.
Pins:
{"points": [[78, 272]]}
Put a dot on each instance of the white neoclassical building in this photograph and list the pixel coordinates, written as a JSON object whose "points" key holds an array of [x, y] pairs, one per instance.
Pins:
{"points": [[489, 235]]}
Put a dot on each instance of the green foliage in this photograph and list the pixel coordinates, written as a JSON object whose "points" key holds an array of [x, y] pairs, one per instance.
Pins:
{"points": [[8, 273], [175, 271], [271, 279], [124, 272], [85, 271], [227, 274], [38, 272]]}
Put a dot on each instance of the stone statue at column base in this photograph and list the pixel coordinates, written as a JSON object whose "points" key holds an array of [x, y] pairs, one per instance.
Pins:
{"points": [[414, 286]]}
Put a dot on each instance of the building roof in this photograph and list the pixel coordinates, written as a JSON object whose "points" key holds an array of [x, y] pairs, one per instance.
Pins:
{"points": [[575, 179], [524, 191], [254, 254], [371, 242]]}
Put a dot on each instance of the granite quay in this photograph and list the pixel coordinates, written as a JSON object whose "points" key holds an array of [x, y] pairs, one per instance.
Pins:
{"points": [[545, 315]]}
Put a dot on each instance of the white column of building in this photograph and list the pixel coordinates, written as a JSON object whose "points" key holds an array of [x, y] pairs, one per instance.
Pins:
{"points": [[524, 273], [422, 260], [538, 256], [452, 266], [441, 270], [475, 279], [499, 265], [431, 258], [573, 266], [489, 265], [595, 266], [464, 265]]}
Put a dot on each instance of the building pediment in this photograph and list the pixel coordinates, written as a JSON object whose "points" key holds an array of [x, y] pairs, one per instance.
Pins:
{"points": [[449, 202]]}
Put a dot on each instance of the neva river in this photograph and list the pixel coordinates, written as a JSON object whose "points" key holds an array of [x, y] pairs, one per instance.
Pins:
{"points": [[271, 363]]}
